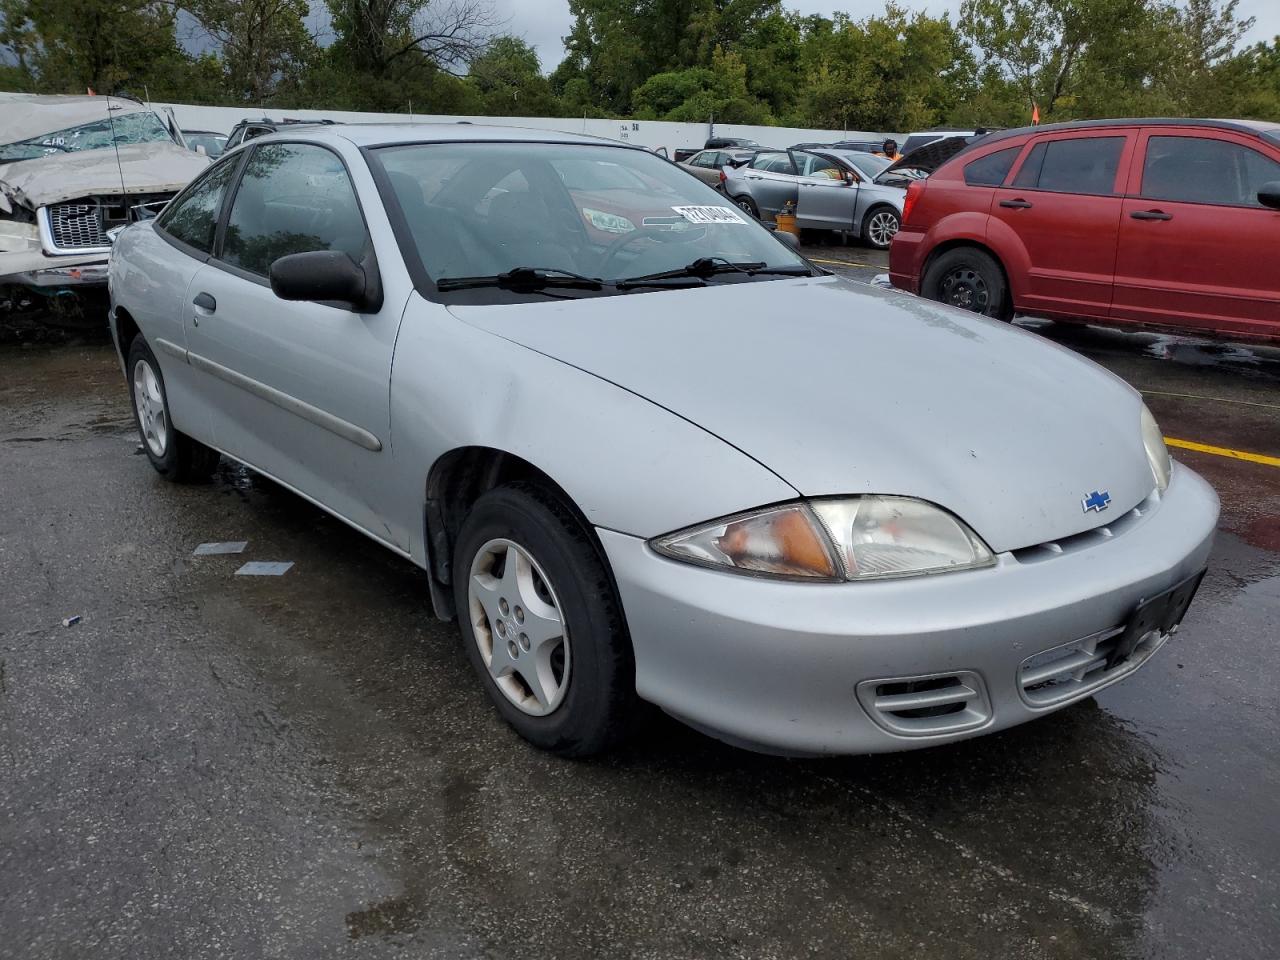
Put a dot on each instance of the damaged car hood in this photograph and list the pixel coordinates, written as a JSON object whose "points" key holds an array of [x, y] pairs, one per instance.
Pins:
{"points": [[840, 389], [143, 168]]}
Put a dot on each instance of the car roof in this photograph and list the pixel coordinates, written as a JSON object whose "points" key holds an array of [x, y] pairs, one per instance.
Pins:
{"points": [[1270, 131], [388, 134]]}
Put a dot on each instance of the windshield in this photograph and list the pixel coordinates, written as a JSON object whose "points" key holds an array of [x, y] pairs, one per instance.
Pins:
{"points": [[140, 127], [868, 164], [212, 142], [477, 210]]}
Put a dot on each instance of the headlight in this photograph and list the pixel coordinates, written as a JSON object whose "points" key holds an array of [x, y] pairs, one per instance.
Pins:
{"points": [[608, 222], [1157, 452], [858, 538]]}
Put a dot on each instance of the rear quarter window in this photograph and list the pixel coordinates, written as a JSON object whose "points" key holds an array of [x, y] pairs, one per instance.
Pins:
{"points": [[990, 171]]}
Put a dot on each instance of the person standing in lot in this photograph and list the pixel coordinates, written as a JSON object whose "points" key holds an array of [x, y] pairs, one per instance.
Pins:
{"points": [[890, 149]]}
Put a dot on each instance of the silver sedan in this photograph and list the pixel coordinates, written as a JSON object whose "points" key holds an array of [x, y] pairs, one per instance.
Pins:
{"points": [[641, 449], [828, 189]]}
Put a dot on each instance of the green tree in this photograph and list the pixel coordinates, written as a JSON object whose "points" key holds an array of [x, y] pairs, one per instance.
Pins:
{"points": [[69, 46], [262, 44], [508, 79]]}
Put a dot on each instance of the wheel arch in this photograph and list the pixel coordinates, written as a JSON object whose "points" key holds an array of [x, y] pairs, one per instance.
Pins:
{"points": [[457, 479], [959, 242], [125, 329]]}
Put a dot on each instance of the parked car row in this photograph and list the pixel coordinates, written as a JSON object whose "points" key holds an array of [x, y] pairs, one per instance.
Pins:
{"points": [[625, 456], [1161, 222]]}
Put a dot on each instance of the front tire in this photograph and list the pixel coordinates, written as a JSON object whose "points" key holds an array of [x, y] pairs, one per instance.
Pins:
{"points": [[970, 279], [879, 227], [174, 455], [541, 623]]}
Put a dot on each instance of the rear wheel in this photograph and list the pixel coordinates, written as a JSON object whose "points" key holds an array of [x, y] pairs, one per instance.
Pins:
{"points": [[970, 279], [879, 227], [747, 205], [541, 624], [174, 455]]}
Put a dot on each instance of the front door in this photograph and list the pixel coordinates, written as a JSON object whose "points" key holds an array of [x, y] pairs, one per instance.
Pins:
{"points": [[827, 193], [1063, 206], [296, 389], [1196, 247]]}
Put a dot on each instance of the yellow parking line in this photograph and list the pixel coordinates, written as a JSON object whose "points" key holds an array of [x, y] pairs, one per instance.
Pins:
{"points": [[1224, 452]]}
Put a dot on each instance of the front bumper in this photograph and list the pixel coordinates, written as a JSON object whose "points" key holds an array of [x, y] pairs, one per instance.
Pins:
{"points": [[797, 668], [32, 268]]}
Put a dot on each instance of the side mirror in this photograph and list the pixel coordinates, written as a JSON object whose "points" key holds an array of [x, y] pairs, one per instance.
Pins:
{"points": [[787, 239], [1269, 194], [850, 178], [321, 275], [201, 150]]}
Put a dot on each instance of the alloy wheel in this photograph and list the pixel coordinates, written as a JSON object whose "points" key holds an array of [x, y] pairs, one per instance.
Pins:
{"points": [[519, 627], [153, 416], [882, 228]]}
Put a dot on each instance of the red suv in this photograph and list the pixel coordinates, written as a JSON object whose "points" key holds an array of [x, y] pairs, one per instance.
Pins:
{"points": [[1156, 222]]}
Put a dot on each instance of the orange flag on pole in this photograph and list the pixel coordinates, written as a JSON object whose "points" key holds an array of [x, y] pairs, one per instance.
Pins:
{"points": [[1035, 114]]}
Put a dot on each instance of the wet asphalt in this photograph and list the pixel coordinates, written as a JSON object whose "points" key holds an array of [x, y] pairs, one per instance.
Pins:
{"points": [[304, 766]]}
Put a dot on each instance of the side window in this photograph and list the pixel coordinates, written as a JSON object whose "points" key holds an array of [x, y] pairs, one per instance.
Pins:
{"points": [[193, 218], [293, 198], [990, 171], [1079, 165], [254, 132], [1201, 170], [815, 166], [704, 159]]}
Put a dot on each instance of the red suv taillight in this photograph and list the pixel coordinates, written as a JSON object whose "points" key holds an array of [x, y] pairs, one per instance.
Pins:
{"points": [[723, 178], [914, 189]]}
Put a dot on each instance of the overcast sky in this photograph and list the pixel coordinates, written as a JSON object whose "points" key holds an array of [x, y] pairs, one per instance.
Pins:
{"points": [[544, 22]]}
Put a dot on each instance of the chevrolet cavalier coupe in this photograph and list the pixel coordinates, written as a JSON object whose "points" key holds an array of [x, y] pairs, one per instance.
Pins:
{"points": [[643, 450]]}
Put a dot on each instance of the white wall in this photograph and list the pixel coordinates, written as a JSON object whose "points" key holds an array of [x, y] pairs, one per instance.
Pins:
{"points": [[646, 133]]}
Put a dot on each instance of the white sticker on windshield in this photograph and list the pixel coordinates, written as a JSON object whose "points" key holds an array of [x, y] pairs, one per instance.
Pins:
{"points": [[710, 214]]}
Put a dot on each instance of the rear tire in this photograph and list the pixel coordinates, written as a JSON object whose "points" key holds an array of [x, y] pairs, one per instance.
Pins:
{"points": [[574, 693], [879, 227], [970, 279], [747, 205], [174, 455]]}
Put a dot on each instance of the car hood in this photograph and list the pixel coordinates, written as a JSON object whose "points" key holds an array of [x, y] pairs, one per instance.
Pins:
{"points": [[157, 167], [841, 388]]}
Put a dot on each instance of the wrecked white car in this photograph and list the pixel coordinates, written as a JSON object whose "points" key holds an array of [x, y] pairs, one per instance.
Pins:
{"points": [[71, 170]]}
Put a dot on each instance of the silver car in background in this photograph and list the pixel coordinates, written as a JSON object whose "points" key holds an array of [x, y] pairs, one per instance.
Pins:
{"points": [[709, 165], [829, 190], [642, 449]]}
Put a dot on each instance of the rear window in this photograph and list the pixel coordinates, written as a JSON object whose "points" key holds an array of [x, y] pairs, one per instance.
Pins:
{"points": [[1080, 165], [918, 140], [990, 171]]}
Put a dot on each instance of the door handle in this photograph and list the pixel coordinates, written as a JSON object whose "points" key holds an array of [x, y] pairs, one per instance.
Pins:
{"points": [[205, 302], [1016, 204], [1151, 215]]}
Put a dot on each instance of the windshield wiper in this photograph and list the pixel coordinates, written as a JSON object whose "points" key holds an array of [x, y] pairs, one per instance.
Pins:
{"points": [[706, 267], [521, 279]]}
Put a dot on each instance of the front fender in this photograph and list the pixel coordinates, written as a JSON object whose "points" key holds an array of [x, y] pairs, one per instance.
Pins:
{"points": [[627, 463]]}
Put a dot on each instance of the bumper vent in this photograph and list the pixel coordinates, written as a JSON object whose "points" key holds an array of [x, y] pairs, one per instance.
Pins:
{"points": [[76, 226], [1074, 669], [927, 706]]}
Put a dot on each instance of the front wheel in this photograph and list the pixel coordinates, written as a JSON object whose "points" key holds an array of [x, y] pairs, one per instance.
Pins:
{"points": [[970, 279], [174, 455], [541, 624], [880, 226]]}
